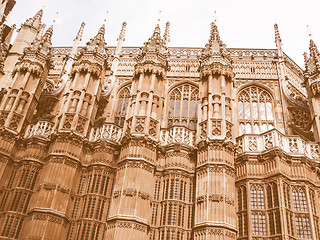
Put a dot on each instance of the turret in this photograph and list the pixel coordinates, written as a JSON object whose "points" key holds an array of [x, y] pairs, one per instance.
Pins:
{"points": [[84, 91], [141, 137], [26, 35], [215, 199], [28, 79], [216, 76]]}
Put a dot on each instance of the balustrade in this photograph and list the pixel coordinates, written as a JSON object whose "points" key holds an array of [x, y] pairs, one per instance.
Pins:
{"points": [[107, 131], [293, 145], [40, 129], [177, 134]]}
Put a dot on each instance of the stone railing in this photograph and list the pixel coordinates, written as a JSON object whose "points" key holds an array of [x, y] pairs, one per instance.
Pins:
{"points": [[40, 129], [177, 134], [293, 145], [107, 131]]}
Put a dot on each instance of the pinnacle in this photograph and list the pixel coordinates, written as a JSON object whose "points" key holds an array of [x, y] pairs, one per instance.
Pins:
{"points": [[122, 32], [166, 35], [80, 32], [277, 34], [313, 48], [48, 34], [38, 14]]}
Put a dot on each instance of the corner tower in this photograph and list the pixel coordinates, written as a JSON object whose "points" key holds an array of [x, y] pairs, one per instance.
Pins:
{"points": [[215, 216], [130, 211]]}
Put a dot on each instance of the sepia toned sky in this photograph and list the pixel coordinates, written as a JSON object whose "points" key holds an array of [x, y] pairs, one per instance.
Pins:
{"points": [[242, 23]]}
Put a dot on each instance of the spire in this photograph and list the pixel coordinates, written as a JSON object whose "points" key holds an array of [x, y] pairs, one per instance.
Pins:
{"points": [[121, 39], [98, 43], [214, 35], [156, 32], [122, 32], [278, 40], [101, 32], [155, 43], [314, 54], [215, 45], [80, 32], [166, 35], [313, 48], [36, 20]]}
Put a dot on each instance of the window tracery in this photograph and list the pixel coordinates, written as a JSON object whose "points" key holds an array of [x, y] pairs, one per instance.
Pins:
{"points": [[302, 221], [183, 105], [255, 111], [257, 197], [122, 105]]}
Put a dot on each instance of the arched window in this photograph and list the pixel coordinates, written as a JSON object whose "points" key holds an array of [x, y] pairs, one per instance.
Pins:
{"points": [[301, 213], [183, 102], [258, 224], [122, 106], [257, 197], [255, 111]]}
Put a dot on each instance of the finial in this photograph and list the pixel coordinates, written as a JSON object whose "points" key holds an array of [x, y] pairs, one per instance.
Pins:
{"points": [[159, 17], [309, 31], [215, 18], [44, 4], [166, 35], [122, 32], [56, 19], [107, 18], [80, 32]]}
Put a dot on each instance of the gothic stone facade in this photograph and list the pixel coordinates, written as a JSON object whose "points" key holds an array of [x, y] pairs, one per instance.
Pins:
{"points": [[157, 142]]}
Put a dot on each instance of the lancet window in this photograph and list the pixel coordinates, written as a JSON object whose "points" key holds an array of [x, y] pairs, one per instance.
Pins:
{"points": [[122, 105], [255, 111], [257, 197], [302, 221], [183, 102]]}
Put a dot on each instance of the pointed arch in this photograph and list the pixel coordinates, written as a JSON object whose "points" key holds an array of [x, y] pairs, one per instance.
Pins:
{"points": [[255, 110], [122, 104], [183, 105]]}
